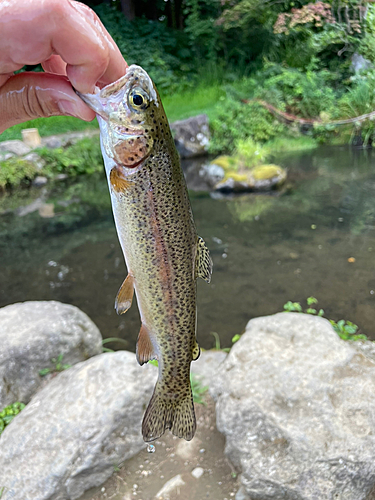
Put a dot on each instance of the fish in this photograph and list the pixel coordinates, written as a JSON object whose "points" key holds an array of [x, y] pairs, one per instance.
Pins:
{"points": [[164, 255]]}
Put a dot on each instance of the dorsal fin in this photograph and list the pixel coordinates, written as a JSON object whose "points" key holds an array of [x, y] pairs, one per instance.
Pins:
{"points": [[145, 349], [203, 261], [125, 295]]}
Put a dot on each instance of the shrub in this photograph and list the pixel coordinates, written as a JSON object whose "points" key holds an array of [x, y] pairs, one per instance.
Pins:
{"points": [[15, 171], [236, 121], [84, 157]]}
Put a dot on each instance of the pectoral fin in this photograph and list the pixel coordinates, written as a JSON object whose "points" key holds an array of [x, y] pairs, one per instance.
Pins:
{"points": [[145, 350], [204, 261], [125, 295]]}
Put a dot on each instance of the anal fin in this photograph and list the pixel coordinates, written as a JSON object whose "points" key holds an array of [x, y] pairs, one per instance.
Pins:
{"points": [[196, 351], [204, 262], [125, 295], [145, 350]]}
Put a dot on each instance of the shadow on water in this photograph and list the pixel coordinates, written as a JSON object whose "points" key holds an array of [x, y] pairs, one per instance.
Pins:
{"points": [[266, 249]]}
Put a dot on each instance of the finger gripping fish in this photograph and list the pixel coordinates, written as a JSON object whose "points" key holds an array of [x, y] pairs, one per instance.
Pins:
{"points": [[163, 253]]}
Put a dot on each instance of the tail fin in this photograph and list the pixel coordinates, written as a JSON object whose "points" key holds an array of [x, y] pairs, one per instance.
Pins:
{"points": [[177, 415]]}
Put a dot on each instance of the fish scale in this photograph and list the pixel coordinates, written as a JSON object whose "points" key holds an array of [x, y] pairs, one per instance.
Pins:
{"points": [[157, 234]]}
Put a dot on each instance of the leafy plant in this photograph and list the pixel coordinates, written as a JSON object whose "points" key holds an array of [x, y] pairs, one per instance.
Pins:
{"points": [[59, 366], [15, 171], [345, 329], [83, 157], [7, 415], [236, 121]]}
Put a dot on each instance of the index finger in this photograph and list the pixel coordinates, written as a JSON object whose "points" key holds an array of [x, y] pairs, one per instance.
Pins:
{"points": [[116, 65]]}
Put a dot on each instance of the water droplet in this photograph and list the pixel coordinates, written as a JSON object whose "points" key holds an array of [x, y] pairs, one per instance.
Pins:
{"points": [[151, 448]]}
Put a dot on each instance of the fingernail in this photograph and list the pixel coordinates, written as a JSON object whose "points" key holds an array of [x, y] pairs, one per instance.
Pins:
{"points": [[69, 108]]}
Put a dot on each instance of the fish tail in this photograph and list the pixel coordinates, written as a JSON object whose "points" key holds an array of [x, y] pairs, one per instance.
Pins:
{"points": [[177, 415]]}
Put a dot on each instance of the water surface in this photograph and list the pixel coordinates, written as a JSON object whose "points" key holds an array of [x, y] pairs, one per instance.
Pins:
{"points": [[266, 249]]}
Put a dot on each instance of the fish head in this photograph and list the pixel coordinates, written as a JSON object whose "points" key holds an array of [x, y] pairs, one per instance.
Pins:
{"points": [[127, 111]]}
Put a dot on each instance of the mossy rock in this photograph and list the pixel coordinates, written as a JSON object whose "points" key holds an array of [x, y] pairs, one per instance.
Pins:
{"points": [[266, 177], [226, 162]]}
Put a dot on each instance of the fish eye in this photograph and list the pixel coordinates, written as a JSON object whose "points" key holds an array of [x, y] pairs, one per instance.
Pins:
{"points": [[138, 99]]}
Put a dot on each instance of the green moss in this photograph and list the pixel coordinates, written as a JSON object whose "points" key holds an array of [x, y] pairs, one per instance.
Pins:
{"points": [[264, 172]]}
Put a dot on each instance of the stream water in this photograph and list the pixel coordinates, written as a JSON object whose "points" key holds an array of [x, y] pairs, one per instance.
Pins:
{"points": [[317, 239]]}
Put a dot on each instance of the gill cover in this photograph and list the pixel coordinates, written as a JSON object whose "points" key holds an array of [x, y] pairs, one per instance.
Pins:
{"points": [[122, 109]]}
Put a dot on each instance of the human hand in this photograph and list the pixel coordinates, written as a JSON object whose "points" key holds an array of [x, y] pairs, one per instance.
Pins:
{"points": [[72, 45]]}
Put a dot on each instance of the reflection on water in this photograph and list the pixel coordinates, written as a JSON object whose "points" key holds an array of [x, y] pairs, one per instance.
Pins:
{"points": [[266, 249]]}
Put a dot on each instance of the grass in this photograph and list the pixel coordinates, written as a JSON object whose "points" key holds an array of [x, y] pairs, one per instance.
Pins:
{"points": [[288, 144], [201, 100], [49, 126]]}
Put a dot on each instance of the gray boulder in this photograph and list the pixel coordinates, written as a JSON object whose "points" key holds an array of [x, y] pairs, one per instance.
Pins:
{"points": [[77, 429], [31, 335], [360, 63], [191, 136], [16, 147], [296, 404]]}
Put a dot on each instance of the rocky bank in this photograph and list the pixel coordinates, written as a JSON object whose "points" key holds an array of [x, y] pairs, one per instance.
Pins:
{"points": [[293, 401]]}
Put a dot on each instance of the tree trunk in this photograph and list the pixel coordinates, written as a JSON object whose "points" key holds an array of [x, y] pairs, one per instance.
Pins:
{"points": [[127, 7]]}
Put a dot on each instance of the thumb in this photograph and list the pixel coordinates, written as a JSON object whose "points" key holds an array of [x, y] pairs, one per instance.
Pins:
{"points": [[32, 95]]}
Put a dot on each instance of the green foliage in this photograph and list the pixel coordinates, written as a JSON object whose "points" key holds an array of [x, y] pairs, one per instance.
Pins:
{"points": [[296, 307], [16, 171], [7, 415], [292, 307], [59, 366], [236, 338], [305, 94], [198, 390], [251, 153], [345, 329], [84, 157], [236, 121], [164, 53]]}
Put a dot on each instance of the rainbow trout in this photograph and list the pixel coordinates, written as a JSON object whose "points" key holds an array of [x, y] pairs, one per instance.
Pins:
{"points": [[163, 253]]}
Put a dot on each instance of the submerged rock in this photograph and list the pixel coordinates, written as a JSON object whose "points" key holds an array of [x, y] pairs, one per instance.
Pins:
{"points": [[191, 136], [296, 404], [34, 333], [77, 429]]}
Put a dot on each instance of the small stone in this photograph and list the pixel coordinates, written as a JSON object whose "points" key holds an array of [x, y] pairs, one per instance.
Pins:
{"points": [[197, 472], [61, 177], [39, 181]]}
